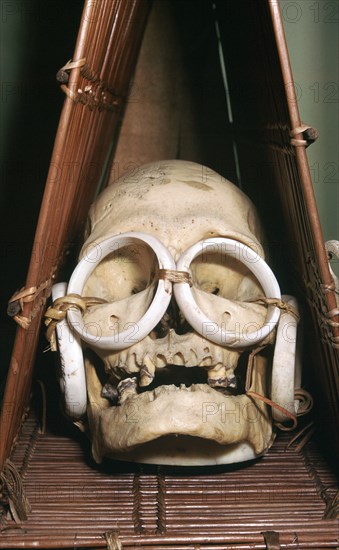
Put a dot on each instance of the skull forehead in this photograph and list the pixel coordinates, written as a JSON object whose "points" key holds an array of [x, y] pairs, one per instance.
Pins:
{"points": [[179, 202]]}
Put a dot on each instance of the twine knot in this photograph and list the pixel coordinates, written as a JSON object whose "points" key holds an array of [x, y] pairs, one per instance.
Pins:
{"points": [[58, 310], [175, 276]]}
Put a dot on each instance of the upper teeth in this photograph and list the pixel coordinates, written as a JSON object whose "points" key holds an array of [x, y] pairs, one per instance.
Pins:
{"points": [[147, 372], [221, 377], [188, 350]]}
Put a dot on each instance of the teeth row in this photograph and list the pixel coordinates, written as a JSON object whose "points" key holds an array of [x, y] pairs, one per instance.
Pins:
{"points": [[140, 368], [128, 387], [131, 363], [218, 376]]}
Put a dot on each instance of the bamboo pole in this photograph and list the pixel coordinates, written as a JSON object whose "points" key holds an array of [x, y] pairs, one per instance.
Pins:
{"points": [[109, 38]]}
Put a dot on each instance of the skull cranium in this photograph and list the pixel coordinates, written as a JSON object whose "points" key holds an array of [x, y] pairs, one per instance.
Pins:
{"points": [[167, 385]]}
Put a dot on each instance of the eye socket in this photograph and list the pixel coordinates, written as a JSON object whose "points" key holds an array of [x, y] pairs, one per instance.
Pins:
{"points": [[140, 288], [222, 275], [208, 287], [126, 271]]}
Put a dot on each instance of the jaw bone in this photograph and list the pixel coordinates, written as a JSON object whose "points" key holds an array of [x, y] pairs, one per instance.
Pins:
{"points": [[219, 428]]}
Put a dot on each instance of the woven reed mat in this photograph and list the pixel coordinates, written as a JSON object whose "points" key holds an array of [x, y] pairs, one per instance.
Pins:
{"points": [[76, 503]]}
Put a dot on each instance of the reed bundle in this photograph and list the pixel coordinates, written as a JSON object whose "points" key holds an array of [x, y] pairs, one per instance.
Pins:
{"points": [[271, 144], [96, 85], [300, 210]]}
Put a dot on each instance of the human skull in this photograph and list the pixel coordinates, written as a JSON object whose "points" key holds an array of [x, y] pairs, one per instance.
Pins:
{"points": [[175, 394]]}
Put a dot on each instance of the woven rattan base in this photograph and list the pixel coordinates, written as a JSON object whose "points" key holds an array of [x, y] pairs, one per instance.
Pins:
{"points": [[76, 503]]}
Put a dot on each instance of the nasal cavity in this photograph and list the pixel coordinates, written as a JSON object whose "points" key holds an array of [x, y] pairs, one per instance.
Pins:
{"points": [[172, 319]]}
